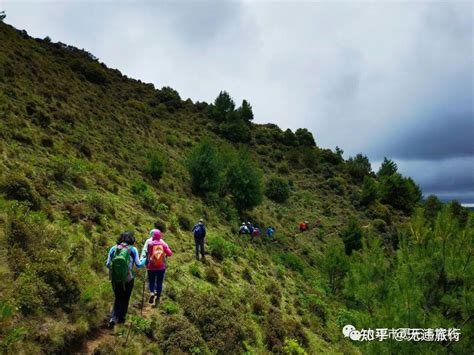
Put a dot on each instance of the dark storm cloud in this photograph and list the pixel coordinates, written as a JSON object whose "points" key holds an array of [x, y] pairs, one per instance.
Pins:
{"points": [[388, 79]]}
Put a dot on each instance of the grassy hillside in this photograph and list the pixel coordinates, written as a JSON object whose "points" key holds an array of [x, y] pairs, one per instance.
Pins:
{"points": [[75, 141]]}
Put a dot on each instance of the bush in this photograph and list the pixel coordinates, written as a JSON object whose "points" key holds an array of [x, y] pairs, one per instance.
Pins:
{"points": [[244, 181], [170, 98], [91, 71], [316, 306], [352, 236], [369, 191], [305, 137], [170, 307], [222, 107], [138, 187], [399, 192], [235, 129], [277, 329], [155, 167], [178, 334], [185, 223], [277, 189], [387, 168], [291, 347], [336, 184], [221, 324], [432, 207], [292, 261], [221, 248], [358, 167], [205, 166], [195, 270], [211, 275], [18, 187]]}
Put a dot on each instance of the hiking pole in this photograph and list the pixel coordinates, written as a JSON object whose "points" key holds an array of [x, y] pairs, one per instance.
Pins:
{"points": [[143, 292]]}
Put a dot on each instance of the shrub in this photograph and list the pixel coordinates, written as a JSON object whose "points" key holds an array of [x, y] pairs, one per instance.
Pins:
{"points": [[170, 98], [221, 248], [138, 187], [289, 138], [223, 105], [283, 168], [91, 71], [221, 324], [178, 334], [336, 184], [432, 207], [244, 181], [170, 307], [352, 236], [277, 329], [195, 270], [369, 191], [305, 137], [459, 212], [18, 187], [211, 275], [292, 261], [235, 129], [316, 306], [185, 223], [399, 192], [155, 167], [358, 167], [205, 166], [245, 111], [291, 347], [388, 167], [277, 189]]}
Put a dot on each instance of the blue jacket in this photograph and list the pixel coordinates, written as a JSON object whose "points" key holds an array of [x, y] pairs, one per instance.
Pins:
{"points": [[203, 229]]}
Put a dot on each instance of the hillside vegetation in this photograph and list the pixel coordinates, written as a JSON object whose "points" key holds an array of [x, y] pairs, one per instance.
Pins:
{"points": [[87, 153]]}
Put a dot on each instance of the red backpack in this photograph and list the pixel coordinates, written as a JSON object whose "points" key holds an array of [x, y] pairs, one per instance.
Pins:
{"points": [[157, 257]]}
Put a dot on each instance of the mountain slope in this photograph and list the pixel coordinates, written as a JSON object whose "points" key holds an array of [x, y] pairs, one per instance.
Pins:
{"points": [[76, 138]]}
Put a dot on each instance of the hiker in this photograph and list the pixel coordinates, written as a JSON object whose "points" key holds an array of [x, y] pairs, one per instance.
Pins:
{"points": [[250, 228], [243, 229], [256, 232], [270, 232], [304, 226], [156, 251], [120, 261], [199, 231]]}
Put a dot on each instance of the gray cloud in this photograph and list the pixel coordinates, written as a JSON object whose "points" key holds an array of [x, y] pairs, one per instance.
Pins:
{"points": [[388, 79]]}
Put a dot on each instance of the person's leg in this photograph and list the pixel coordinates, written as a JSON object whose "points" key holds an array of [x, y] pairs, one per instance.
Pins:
{"points": [[113, 315], [196, 244], [119, 307], [151, 286], [201, 243], [126, 299], [160, 276]]}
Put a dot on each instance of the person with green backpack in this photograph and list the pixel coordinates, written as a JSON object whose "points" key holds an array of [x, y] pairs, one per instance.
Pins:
{"points": [[120, 261]]}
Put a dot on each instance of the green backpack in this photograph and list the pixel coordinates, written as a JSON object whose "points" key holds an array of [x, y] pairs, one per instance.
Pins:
{"points": [[119, 266]]}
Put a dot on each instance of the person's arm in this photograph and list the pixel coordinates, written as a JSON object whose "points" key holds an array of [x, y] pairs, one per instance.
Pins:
{"points": [[144, 250], [109, 256], [167, 249], [194, 228], [134, 254], [204, 232]]}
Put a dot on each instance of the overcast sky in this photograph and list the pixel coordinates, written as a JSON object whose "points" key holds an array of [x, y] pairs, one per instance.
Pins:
{"points": [[388, 79]]}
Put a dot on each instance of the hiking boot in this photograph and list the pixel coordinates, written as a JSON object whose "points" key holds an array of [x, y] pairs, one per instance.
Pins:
{"points": [[157, 302], [111, 323], [151, 300]]}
